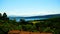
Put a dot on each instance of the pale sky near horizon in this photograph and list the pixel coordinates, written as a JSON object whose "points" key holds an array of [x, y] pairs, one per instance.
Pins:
{"points": [[30, 7]]}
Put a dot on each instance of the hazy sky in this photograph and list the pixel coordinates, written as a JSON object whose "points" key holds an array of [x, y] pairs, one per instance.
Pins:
{"points": [[30, 7]]}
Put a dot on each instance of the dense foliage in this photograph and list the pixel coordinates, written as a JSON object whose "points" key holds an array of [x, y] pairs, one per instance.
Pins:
{"points": [[48, 25]]}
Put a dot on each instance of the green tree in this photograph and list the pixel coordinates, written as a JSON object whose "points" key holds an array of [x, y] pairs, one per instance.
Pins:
{"points": [[22, 21], [4, 16], [0, 16]]}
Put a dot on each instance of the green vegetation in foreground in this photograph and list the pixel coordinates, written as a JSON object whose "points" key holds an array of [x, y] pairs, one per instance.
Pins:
{"points": [[48, 25]]}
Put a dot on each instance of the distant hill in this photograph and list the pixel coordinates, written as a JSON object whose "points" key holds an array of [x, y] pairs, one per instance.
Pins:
{"points": [[45, 16]]}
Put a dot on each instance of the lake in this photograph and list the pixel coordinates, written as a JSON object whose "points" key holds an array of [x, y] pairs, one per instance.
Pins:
{"points": [[26, 19]]}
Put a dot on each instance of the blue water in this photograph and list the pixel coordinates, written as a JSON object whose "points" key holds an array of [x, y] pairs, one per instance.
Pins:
{"points": [[26, 19]]}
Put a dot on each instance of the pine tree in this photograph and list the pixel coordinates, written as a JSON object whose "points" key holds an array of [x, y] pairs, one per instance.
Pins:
{"points": [[4, 16], [0, 16]]}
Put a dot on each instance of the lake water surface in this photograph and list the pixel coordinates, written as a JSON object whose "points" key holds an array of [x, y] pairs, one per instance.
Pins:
{"points": [[26, 19]]}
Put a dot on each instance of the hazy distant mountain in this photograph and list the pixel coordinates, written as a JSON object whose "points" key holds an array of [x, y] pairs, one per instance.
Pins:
{"points": [[34, 17], [45, 16]]}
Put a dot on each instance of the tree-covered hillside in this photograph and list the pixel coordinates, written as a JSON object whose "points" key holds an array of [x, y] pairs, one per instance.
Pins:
{"points": [[47, 25]]}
